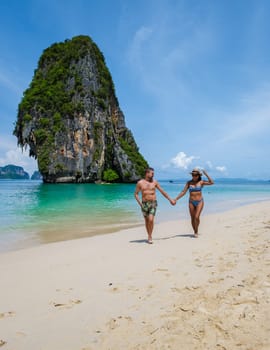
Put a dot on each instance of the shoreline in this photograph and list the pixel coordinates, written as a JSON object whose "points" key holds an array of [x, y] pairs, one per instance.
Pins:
{"points": [[115, 291], [47, 214], [49, 235]]}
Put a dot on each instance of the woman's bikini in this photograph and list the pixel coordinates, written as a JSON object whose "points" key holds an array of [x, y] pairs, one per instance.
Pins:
{"points": [[195, 203]]}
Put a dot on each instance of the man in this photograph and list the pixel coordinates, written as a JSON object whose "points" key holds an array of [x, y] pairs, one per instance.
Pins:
{"points": [[148, 204]]}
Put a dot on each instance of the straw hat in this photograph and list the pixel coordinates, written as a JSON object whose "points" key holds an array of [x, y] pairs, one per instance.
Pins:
{"points": [[196, 171]]}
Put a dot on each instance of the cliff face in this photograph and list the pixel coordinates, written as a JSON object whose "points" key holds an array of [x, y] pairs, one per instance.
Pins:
{"points": [[71, 120]]}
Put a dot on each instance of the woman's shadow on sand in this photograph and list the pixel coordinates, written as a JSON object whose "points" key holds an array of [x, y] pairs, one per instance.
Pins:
{"points": [[185, 235]]}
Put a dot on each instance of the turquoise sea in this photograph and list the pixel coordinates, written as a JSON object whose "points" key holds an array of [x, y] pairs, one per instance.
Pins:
{"points": [[33, 213]]}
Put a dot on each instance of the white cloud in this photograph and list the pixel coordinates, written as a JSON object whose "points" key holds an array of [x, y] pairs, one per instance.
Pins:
{"points": [[185, 162], [182, 161], [11, 154], [221, 169], [136, 49]]}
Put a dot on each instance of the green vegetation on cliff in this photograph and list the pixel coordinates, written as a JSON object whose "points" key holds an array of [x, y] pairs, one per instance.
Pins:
{"points": [[47, 89], [49, 93], [131, 149], [56, 66], [110, 175]]}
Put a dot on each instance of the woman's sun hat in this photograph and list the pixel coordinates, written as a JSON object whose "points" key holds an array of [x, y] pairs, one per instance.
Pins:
{"points": [[196, 171]]}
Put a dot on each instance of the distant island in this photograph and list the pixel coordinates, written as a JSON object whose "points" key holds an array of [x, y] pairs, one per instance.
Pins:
{"points": [[71, 119], [36, 175], [13, 172]]}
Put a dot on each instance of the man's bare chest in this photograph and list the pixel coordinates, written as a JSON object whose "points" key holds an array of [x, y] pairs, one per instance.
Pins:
{"points": [[148, 186]]}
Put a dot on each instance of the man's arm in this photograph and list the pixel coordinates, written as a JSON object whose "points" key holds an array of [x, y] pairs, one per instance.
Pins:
{"points": [[164, 193], [136, 193]]}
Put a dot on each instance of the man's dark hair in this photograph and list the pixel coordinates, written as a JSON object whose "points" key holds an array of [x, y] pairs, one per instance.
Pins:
{"points": [[147, 170]]}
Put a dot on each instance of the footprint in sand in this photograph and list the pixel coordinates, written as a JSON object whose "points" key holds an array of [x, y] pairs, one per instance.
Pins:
{"points": [[133, 289], [112, 324], [252, 280], [204, 261], [245, 297], [215, 280], [115, 323], [69, 305], [192, 287], [235, 254], [125, 318], [7, 314], [114, 288], [64, 290], [167, 274], [21, 334], [226, 266]]}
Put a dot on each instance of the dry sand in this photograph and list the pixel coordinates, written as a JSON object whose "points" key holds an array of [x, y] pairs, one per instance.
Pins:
{"points": [[116, 292]]}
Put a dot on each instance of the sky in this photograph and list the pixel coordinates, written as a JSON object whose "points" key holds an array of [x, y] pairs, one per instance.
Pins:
{"points": [[192, 77]]}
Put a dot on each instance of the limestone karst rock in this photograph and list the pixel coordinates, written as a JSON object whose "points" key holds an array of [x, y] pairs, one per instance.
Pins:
{"points": [[13, 172], [71, 120]]}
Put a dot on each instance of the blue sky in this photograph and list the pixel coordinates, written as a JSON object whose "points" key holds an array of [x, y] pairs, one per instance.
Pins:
{"points": [[192, 77]]}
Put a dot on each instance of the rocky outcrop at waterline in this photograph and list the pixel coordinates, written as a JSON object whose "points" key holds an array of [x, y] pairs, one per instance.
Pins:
{"points": [[71, 120]]}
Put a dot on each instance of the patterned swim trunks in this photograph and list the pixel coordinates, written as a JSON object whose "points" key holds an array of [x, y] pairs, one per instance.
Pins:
{"points": [[149, 208]]}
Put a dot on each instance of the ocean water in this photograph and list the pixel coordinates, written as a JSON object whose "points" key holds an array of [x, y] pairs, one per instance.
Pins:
{"points": [[33, 213]]}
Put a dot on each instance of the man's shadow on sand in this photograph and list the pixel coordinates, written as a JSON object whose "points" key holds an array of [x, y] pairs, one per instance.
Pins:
{"points": [[185, 235]]}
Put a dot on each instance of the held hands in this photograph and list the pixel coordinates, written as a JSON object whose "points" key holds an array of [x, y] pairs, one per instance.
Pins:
{"points": [[172, 201]]}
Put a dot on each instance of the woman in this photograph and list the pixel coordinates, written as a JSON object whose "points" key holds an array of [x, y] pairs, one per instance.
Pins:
{"points": [[196, 203]]}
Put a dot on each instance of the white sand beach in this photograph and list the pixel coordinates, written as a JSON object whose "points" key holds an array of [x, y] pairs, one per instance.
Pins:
{"points": [[115, 291]]}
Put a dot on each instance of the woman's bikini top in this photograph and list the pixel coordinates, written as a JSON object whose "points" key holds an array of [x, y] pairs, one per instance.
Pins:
{"points": [[195, 189]]}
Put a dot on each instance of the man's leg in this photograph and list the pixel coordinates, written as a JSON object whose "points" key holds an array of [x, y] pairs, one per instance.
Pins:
{"points": [[149, 224]]}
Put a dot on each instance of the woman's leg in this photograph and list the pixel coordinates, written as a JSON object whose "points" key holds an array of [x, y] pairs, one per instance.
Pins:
{"points": [[192, 211], [198, 211]]}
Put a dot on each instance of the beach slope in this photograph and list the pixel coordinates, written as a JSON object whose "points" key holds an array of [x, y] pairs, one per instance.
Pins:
{"points": [[117, 292]]}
